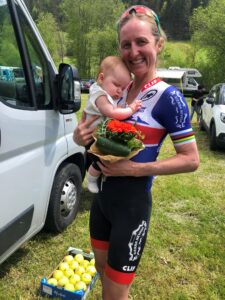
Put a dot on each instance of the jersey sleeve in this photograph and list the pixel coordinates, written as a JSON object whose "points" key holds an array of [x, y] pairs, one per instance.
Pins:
{"points": [[172, 112]]}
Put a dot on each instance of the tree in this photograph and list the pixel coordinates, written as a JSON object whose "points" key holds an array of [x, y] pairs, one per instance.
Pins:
{"points": [[208, 27], [88, 23], [52, 37]]}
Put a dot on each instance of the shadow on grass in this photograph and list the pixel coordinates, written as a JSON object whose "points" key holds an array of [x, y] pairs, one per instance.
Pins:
{"points": [[12, 261], [86, 200]]}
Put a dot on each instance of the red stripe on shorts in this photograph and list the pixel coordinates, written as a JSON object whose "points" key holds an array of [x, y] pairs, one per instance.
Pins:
{"points": [[101, 245], [119, 277]]}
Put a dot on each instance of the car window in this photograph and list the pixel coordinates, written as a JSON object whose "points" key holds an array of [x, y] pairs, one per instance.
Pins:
{"points": [[222, 95], [217, 94], [212, 93]]}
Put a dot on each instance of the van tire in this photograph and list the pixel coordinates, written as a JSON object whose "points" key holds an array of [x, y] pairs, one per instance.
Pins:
{"points": [[64, 199]]}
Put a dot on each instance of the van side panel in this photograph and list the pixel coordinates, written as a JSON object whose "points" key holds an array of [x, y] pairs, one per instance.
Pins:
{"points": [[16, 229], [32, 146]]}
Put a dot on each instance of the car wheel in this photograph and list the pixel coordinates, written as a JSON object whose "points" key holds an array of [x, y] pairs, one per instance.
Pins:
{"points": [[201, 126], [212, 138], [64, 199]]}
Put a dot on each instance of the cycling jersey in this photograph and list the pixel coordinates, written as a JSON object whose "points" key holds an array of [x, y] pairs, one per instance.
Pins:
{"points": [[120, 214], [164, 111]]}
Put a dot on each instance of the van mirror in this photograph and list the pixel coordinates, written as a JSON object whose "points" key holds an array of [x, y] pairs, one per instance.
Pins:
{"points": [[69, 89]]}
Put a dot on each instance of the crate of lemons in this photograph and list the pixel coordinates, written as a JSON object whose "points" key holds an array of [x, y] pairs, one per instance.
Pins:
{"points": [[73, 278]]}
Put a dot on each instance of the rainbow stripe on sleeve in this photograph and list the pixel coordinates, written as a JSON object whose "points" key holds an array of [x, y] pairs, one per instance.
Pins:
{"points": [[183, 137]]}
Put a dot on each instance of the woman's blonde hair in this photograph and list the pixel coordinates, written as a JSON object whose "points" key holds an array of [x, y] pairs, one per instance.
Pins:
{"points": [[157, 30]]}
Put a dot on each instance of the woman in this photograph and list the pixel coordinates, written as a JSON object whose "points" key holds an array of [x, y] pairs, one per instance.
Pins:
{"points": [[120, 214]]}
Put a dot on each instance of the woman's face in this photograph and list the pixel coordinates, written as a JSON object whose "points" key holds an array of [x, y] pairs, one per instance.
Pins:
{"points": [[138, 48]]}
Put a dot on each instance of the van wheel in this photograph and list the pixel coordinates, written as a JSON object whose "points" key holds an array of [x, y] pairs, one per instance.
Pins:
{"points": [[64, 199], [212, 138]]}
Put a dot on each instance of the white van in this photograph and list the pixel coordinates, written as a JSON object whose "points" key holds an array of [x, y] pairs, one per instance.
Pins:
{"points": [[182, 78], [41, 168]]}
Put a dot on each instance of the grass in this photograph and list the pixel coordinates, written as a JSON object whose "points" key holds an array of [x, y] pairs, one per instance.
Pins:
{"points": [[184, 255]]}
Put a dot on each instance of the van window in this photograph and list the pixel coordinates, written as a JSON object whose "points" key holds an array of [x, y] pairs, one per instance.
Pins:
{"points": [[11, 92], [192, 81], [38, 64], [14, 88]]}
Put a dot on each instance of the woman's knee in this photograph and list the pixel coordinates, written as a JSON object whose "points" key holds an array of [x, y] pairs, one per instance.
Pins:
{"points": [[113, 290], [100, 260]]}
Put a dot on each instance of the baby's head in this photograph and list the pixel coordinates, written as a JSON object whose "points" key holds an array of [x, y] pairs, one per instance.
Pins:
{"points": [[113, 76]]}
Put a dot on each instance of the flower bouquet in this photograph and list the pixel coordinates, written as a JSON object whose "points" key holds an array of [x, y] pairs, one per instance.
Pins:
{"points": [[116, 140]]}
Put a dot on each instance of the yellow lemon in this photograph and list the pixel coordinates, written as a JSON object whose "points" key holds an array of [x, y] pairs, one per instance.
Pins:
{"points": [[92, 262], [74, 265], [68, 259], [80, 270], [86, 278], [91, 270], [74, 279], [79, 257], [68, 272], [57, 274], [69, 287], [80, 285], [63, 281], [84, 263], [63, 266], [52, 281]]}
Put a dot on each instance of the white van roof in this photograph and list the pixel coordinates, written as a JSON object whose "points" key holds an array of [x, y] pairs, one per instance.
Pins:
{"points": [[191, 72], [165, 73]]}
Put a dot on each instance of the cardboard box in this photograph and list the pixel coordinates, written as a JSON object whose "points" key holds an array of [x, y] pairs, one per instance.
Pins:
{"points": [[59, 292]]}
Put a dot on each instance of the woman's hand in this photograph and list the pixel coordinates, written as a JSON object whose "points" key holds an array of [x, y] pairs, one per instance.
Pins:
{"points": [[119, 168], [185, 160], [82, 135]]}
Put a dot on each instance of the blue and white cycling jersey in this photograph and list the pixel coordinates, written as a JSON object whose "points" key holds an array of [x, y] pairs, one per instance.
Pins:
{"points": [[164, 111]]}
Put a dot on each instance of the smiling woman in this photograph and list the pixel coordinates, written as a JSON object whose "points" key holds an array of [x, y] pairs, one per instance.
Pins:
{"points": [[115, 230]]}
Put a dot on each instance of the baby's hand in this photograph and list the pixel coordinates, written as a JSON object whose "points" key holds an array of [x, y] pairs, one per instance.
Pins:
{"points": [[135, 106]]}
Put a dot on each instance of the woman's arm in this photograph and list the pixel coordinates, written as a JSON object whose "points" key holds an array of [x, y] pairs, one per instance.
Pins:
{"points": [[185, 160], [82, 134], [119, 113]]}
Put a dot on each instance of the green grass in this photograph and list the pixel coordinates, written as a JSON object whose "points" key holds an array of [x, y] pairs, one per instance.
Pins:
{"points": [[184, 256]]}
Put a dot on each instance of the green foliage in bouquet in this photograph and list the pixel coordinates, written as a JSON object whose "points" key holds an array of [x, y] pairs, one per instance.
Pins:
{"points": [[117, 138]]}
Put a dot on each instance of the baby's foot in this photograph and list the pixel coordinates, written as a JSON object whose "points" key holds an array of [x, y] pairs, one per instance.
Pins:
{"points": [[92, 184]]}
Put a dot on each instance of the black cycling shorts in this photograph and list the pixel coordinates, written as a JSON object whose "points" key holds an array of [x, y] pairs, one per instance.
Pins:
{"points": [[119, 222]]}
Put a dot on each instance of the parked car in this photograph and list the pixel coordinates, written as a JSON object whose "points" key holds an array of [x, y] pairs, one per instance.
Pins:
{"points": [[212, 117], [85, 85]]}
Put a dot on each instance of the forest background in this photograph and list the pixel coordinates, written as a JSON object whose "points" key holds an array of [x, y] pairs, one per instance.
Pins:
{"points": [[82, 32]]}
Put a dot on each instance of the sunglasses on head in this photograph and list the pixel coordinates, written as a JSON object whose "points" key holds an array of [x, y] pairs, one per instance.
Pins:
{"points": [[144, 10]]}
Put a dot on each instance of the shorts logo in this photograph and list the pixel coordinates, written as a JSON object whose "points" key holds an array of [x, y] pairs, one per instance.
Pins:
{"points": [[128, 268], [136, 240]]}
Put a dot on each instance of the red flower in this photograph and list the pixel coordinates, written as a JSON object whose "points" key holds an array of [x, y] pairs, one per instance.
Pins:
{"points": [[119, 127]]}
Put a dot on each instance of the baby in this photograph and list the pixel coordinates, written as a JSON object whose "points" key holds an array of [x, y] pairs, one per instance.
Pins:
{"points": [[112, 79]]}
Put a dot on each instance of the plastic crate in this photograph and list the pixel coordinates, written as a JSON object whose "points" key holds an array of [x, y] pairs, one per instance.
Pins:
{"points": [[52, 291]]}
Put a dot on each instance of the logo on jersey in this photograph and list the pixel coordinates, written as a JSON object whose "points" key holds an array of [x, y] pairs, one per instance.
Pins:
{"points": [[136, 241], [180, 108], [150, 94]]}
